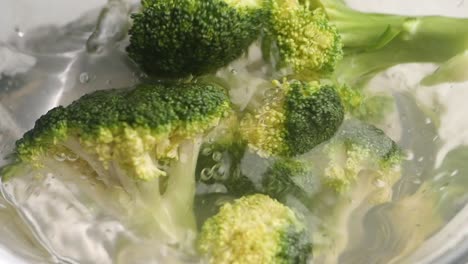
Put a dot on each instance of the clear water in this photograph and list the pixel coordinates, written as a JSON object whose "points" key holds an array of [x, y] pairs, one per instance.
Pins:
{"points": [[54, 217]]}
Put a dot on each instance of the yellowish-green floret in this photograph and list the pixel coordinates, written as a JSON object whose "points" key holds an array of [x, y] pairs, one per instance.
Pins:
{"points": [[136, 130], [128, 139], [254, 229], [299, 116], [305, 40]]}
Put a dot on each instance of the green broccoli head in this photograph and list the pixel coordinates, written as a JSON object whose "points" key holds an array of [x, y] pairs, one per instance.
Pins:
{"points": [[357, 170], [133, 128], [129, 140], [176, 38], [359, 147], [298, 117], [305, 40], [254, 229], [290, 177]]}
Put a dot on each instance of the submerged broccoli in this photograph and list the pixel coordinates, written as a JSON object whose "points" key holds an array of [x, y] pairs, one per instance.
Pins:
{"points": [[305, 40], [374, 42], [357, 147], [299, 116], [360, 165], [254, 229], [176, 38], [290, 177], [144, 141]]}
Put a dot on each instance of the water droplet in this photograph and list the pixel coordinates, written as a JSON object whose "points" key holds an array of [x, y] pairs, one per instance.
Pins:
{"points": [[379, 183], [84, 77], [207, 151], [217, 156], [19, 32], [206, 174], [409, 155], [60, 157]]}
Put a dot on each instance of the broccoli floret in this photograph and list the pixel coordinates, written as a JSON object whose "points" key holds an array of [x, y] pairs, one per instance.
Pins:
{"points": [[360, 165], [290, 177], [299, 116], [145, 141], [374, 42], [369, 108], [304, 39], [176, 38], [360, 146], [254, 229]]}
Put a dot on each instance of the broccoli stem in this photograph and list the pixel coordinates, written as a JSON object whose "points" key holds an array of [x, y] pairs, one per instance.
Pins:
{"points": [[180, 191], [374, 42], [172, 208]]}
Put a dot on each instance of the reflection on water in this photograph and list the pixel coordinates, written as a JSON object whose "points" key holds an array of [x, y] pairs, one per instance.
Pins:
{"points": [[67, 220]]}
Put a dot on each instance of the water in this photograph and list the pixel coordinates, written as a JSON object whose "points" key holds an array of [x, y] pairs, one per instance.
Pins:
{"points": [[50, 216]]}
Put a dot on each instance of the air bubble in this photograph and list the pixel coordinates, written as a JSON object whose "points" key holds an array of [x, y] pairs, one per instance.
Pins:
{"points": [[217, 156], [207, 151], [60, 157], [206, 174], [84, 77], [409, 155], [72, 157], [19, 32]]}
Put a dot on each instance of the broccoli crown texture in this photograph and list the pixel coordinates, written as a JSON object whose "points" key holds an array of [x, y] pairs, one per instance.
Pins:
{"points": [[305, 40], [254, 229], [287, 176], [127, 126], [361, 147], [176, 38], [300, 116]]}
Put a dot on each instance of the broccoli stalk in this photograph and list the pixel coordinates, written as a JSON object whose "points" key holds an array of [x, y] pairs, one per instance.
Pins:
{"points": [[374, 42], [143, 141]]}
